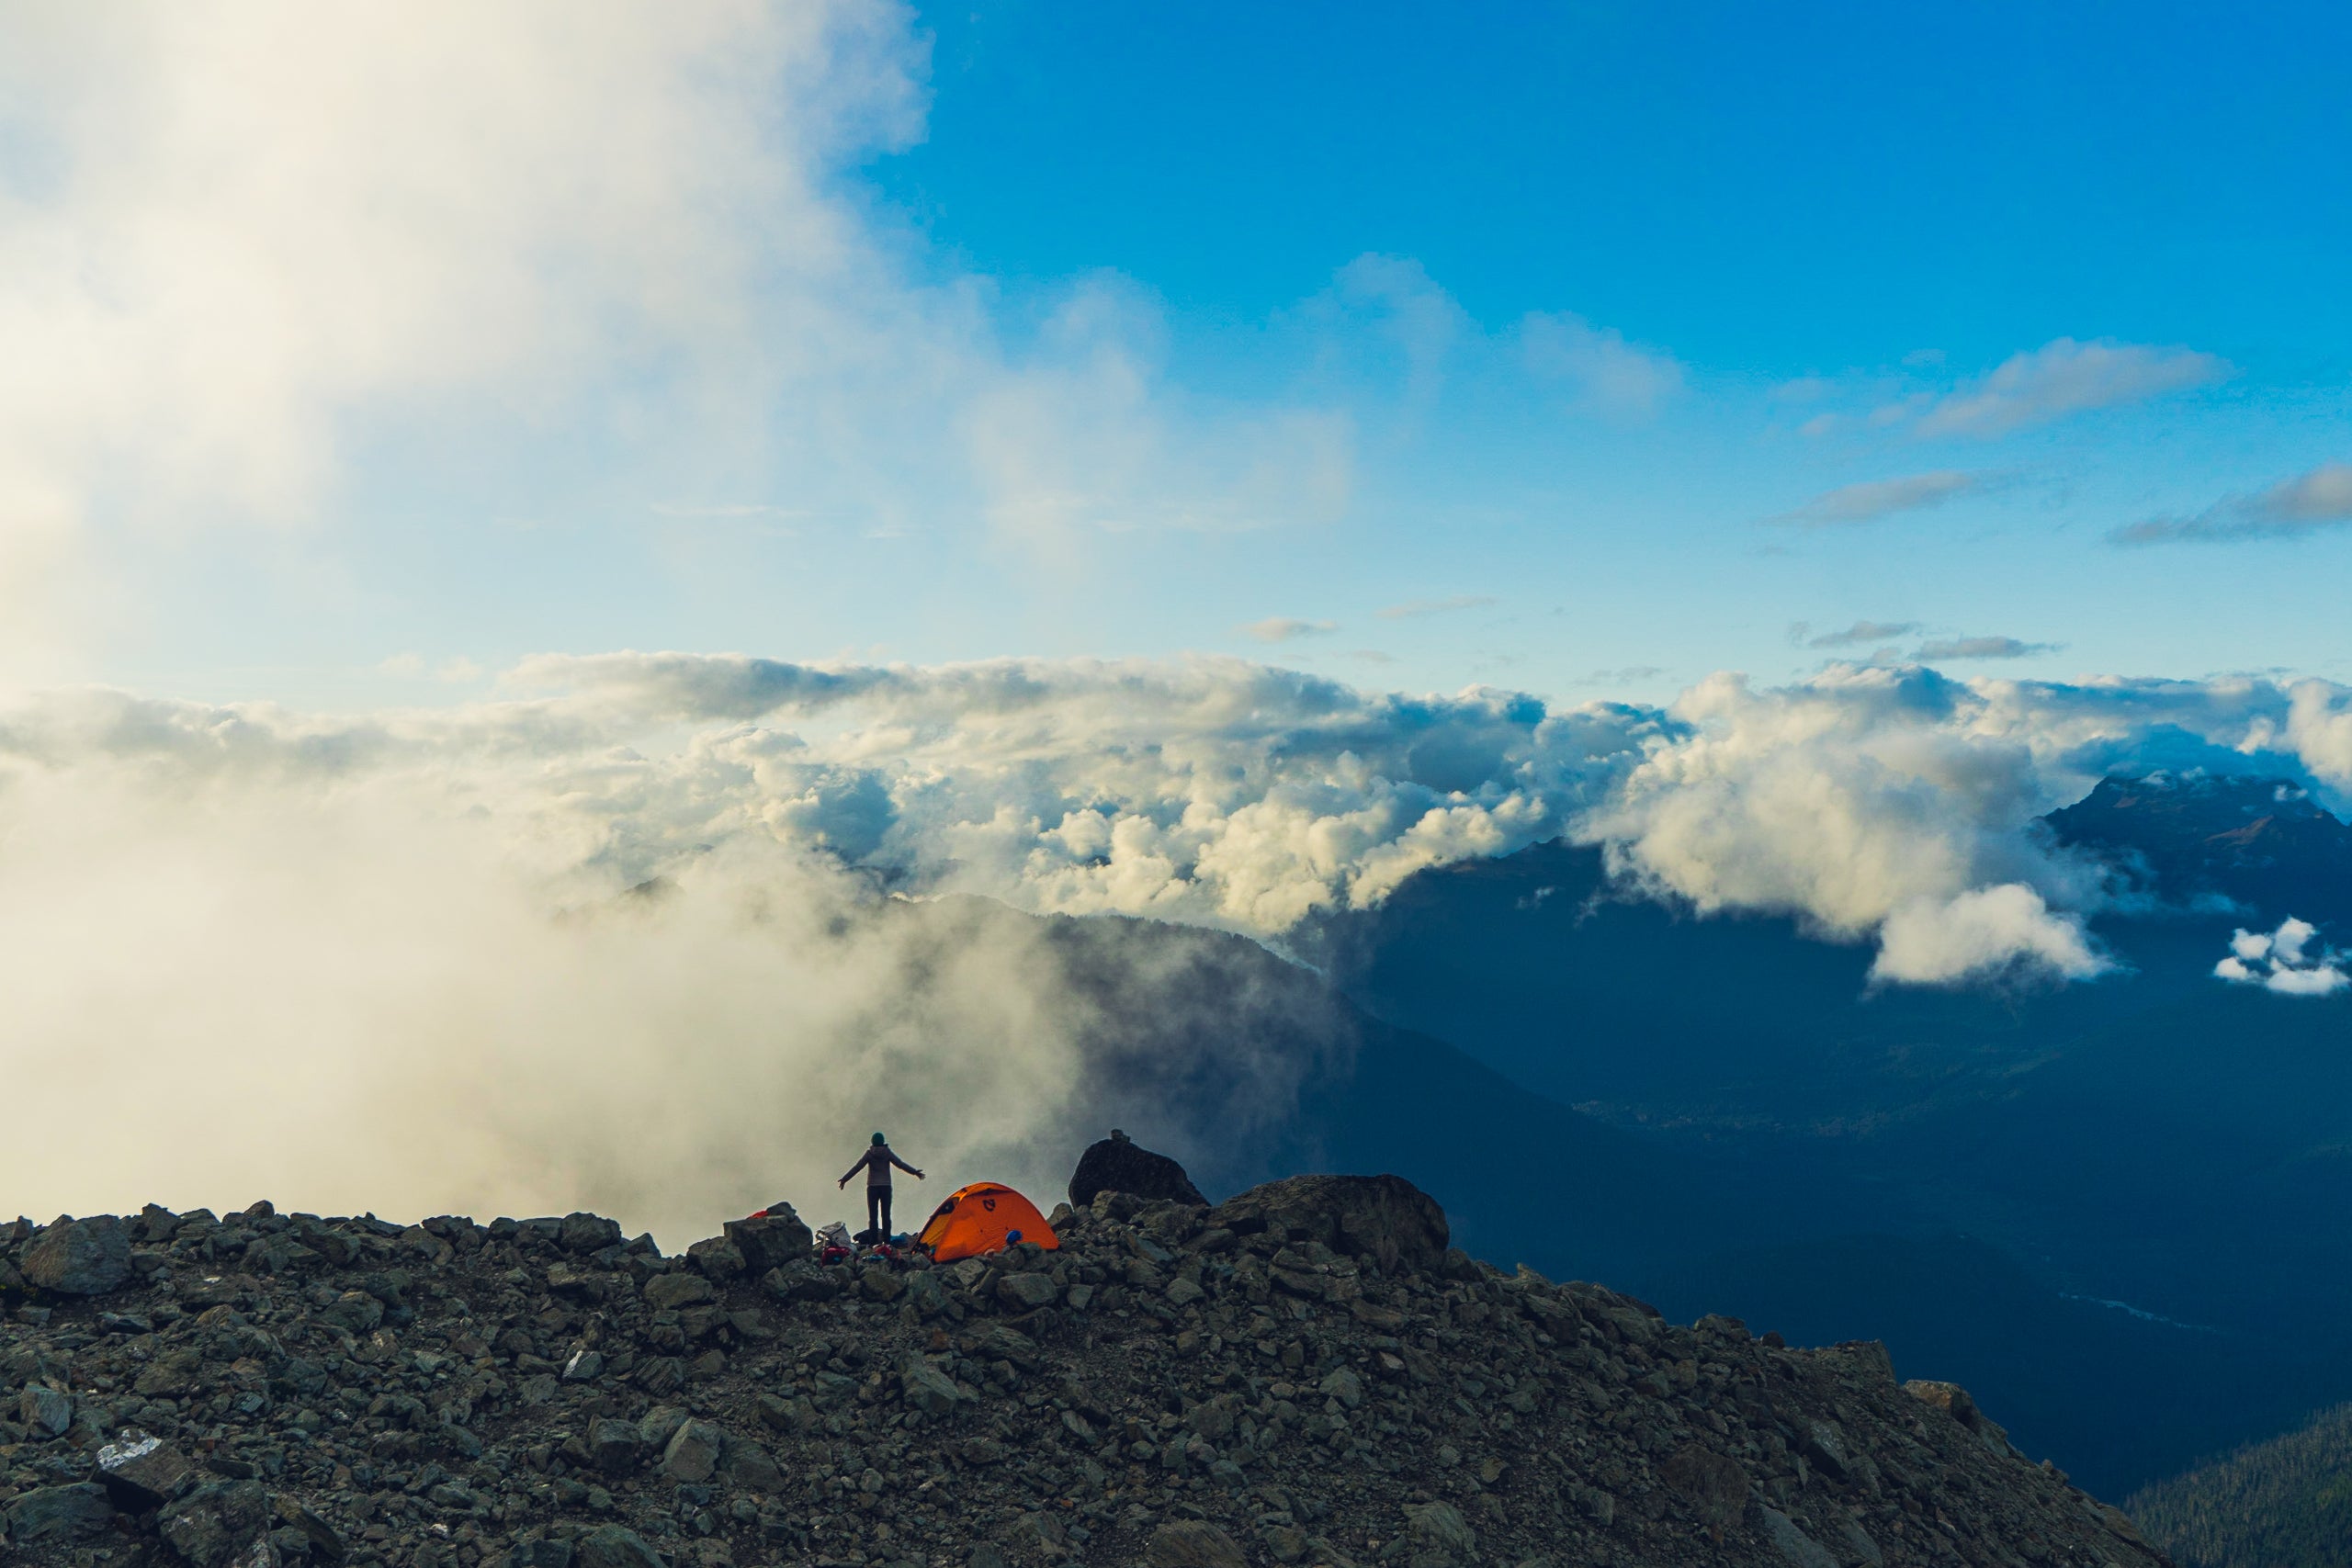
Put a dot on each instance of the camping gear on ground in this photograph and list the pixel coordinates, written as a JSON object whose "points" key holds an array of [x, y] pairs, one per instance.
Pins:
{"points": [[987, 1217]]}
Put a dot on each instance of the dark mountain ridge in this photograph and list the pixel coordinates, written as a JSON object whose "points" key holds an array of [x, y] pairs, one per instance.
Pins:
{"points": [[1307, 1373], [2262, 843], [2155, 1139]]}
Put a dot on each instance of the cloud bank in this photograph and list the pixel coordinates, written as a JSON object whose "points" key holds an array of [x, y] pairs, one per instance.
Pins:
{"points": [[632, 935]]}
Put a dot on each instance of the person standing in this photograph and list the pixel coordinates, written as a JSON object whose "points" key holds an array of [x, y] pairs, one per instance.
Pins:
{"points": [[877, 1162]]}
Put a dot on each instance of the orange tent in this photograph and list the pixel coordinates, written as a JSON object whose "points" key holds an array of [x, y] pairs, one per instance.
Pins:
{"points": [[984, 1217]]}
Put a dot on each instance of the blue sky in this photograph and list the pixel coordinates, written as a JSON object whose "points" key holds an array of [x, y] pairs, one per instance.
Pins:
{"points": [[1581, 349]]}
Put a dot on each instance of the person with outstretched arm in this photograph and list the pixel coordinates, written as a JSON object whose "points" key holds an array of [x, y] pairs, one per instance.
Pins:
{"points": [[877, 1162]]}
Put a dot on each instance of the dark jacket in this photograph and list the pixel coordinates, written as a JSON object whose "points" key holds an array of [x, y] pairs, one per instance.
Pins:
{"points": [[877, 1162]]}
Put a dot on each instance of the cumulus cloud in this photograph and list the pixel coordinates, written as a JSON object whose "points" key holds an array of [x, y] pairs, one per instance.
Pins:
{"points": [[1868, 801], [1981, 648], [1286, 628], [2067, 377], [2282, 962], [2319, 729], [1873, 499], [2307, 504]]}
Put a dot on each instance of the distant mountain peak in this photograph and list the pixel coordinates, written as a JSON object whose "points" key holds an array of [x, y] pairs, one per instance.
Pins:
{"points": [[2257, 839]]}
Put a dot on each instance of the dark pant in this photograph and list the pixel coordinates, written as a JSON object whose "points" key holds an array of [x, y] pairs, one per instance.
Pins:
{"points": [[877, 1209]]}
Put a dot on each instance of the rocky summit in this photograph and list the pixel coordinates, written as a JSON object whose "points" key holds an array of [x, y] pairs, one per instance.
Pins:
{"points": [[1307, 1374]]}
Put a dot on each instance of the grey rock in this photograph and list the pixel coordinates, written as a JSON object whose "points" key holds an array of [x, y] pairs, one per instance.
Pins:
{"points": [[927, 1387], [1861, 1552], [1793, 1544], [880, 1282], [1344, 1386], [59, 1513], [320, 1538], [354, 1312], [588, 1233], [1193, 1543], [45, 1412], [770, 1241], [195, 1529], [1826, 1445], [693, 1452], [665, 1292], [142, 1473], [749, 1464], [1713, 1486], [613, 1445], [1948, 1397], [801, 1281], [717, 1258], [1385, 1218], [611, 1546], [658, 1425], [79, 1258], [1026, 1291], [1438, 1536]]}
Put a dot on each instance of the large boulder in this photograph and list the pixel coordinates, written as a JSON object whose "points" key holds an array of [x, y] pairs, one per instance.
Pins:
{"points": [[1117, 1163], [1385, 1218], [772, 1239], [58, 1513], [79, 1258]]}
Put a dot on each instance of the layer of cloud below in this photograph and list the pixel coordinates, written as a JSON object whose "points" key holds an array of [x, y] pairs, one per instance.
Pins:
{"points": [[392, 957]]}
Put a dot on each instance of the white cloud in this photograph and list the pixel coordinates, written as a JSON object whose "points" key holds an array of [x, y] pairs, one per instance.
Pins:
{"points": [[2281, 962], [1957, 647], [1855, 636], [1873, 499], [2065, 377], [293, 911], [1286, 628], [246, 249], [1985, 929], [1862, 803], [1606, 373], [2309, 504], [2319, 729]]}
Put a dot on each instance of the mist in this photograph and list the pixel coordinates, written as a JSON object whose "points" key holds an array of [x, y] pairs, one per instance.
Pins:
{"points": [[356, 1002]]}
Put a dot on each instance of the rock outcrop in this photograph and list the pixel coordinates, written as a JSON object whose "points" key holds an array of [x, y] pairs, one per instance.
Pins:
{"points": [[1117, 1163], [1306, 1374]]}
